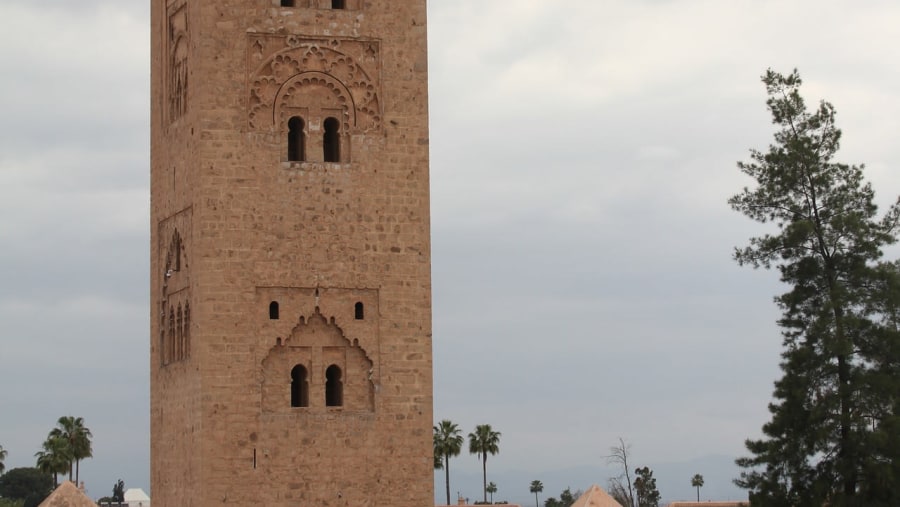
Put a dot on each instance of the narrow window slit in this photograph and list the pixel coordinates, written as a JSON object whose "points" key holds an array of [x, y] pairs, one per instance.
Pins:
{"points": [[296, 140], [334, 389], [332, 141], [273, 310]]}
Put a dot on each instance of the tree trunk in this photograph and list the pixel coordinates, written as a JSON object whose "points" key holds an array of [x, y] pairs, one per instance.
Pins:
{"points": [[447, 472], [484, 475]]}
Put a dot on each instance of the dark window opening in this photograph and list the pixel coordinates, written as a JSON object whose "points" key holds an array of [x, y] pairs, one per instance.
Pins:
{"points": [[332, 141], [170, 342], [187, 330], [287, 3], [179, 335], [337, 4], [273, 310], [359, 311], [299, 387], [162, 347], [296, 140], [334, 389]]}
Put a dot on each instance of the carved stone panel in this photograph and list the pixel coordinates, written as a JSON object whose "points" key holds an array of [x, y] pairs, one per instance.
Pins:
{"points": [[175, 305], [177, 44], [290, 73]]}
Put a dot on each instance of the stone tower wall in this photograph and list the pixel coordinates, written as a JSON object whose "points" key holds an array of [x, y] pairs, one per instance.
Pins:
{"points": [[263, 265]]}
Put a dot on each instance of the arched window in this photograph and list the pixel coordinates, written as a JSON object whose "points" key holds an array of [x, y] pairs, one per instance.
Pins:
{"points": [[170, 339], [332, 141], [334, 388], [273, 310], [299, 387], [187, 330], [337, 4], [162, 345], [179, 335], [296, 138], [359, 311]]}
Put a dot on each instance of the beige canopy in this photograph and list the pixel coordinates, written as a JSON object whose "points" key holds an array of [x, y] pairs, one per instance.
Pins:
{"points": [[67, 495], [595, 496]]}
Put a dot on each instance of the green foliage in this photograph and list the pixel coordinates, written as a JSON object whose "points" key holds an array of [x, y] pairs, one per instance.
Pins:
{"points": [[483, 441], [119, 491], [448, 441], [491, 489], [55, 458], [78, 439], [833, 437], [645, 490], [9, 502], [25, 484], [566, 499], [697, 482], [536, 487]]}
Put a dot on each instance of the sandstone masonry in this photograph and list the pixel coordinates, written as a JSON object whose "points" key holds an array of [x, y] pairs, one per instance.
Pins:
{"points": [[290, 254]]}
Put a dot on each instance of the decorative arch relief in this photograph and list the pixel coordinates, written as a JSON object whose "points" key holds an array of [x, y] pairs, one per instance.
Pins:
{"points": [[290, 73], [177, 59], [173, 267], [317, 328], [318, 346], [173, 247]]}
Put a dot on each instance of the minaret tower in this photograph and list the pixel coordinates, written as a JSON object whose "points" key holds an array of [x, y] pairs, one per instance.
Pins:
{"points": [[290, 254]]}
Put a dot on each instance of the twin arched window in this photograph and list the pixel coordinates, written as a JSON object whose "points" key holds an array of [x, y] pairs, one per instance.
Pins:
{"points": [[335, 4], [334, 386], [296, 141]]}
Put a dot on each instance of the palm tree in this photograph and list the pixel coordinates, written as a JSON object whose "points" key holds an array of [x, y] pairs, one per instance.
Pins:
{"points": [[55, 458], [536, 487], [484, 441], [2, 457], [491, 488], [448, 442], [78, 436], [697, 482]]}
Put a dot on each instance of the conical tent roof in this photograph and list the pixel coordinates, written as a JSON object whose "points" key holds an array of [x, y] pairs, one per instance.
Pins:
{"points": [[67, 495], [595, 496]]}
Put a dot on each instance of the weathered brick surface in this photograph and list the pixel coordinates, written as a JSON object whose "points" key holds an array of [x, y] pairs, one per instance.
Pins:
{"points": [[236, 226]]}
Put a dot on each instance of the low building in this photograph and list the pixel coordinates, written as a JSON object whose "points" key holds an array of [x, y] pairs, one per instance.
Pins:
{"points": [[135, 497]]}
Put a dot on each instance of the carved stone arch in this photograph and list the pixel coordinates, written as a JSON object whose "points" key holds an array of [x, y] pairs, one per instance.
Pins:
{"points": [[178, 59], [297, 92], [276, 61], [174, 254], [317, 343]]}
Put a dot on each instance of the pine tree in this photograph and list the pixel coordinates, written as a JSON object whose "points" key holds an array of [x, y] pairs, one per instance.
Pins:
{"points": [[833, 436]]}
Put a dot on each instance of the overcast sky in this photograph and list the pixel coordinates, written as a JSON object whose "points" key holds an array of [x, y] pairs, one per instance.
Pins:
{"points": [[582, 152]]}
